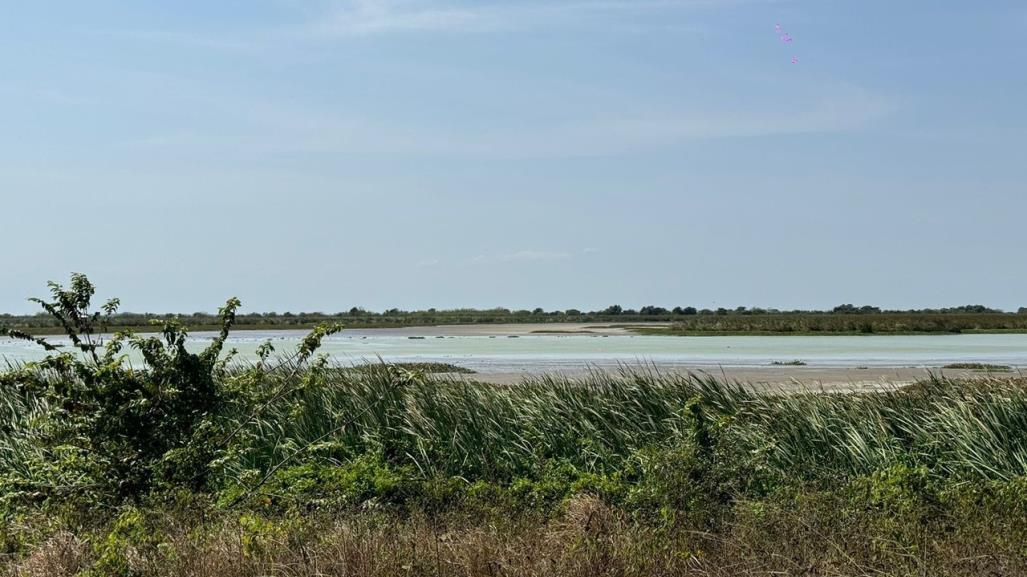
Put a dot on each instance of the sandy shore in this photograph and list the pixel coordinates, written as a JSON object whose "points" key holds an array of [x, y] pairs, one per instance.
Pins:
{"points": [[501, 330], [788, 378], [832, 378]]}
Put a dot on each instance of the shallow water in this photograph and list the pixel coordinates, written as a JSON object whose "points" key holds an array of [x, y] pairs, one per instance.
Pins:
{"points": [[539, 352]]}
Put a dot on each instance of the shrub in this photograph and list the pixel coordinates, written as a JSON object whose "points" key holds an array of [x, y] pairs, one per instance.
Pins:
{"points": [[107, 430]]}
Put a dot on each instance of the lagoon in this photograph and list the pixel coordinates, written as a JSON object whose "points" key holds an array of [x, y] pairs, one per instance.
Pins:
{"points": [[513, 352]]}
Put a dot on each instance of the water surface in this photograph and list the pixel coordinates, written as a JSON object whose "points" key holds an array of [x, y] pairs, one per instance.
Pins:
{"points": [[540, 352]]}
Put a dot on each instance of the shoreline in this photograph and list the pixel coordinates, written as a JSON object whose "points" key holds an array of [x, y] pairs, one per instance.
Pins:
{"points": [[555, 328], [567, 350], [793, 378]]}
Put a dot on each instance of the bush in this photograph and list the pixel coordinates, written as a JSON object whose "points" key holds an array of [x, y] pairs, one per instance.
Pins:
{"points": [[108, 431]]}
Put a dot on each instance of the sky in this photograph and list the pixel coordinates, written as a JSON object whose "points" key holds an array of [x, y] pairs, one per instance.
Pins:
{"points": [[314, 155]]}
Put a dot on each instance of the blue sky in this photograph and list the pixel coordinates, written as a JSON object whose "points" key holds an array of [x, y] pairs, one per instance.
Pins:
{"points": [[316, 155]]}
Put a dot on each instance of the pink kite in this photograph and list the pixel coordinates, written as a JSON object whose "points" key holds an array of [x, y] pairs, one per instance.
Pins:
{"points": [[786, 38]]}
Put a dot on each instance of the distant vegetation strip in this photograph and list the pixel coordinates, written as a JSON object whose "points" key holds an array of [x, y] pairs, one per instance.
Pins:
{"points": [[844, 319], [835, 323], [426, 368], [979, 367]]}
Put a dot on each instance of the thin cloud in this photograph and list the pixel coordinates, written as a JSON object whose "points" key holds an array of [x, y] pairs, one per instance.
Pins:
{"points": [[278, 127], [523, 256], [364, 17], [285, 128], [225, 43], [834, 110], [55, 96], [367, 17], [534, 256]]}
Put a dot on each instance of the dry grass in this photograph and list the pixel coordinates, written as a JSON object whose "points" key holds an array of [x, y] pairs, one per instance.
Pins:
{"points": [[587, 539], [62, 554]]}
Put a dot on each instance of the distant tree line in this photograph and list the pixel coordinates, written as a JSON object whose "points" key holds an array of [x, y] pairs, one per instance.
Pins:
{"points": [[357, 317]]}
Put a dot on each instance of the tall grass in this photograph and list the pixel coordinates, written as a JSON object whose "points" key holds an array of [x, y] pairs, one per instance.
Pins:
{"points": [[690, 475], [442, 426], [963, 430]]}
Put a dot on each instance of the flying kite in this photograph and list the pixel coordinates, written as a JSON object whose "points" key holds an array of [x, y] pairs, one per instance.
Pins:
{"points": [[787, 39]]}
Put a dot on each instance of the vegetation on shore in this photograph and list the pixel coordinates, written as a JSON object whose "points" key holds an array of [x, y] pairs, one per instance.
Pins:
{"points": [[842, 324], [188, 465], [425, 368], [979, 367], [843, 319]]}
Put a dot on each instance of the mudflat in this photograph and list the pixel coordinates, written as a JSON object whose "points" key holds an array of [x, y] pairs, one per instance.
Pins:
{"points": [[791, 378], [503, 330]]}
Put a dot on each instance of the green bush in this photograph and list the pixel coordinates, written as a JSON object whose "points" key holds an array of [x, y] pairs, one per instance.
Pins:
{"points": [[104, 430]]}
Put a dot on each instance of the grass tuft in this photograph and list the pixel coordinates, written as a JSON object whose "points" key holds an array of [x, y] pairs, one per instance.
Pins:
{"points": [[978, 367]]}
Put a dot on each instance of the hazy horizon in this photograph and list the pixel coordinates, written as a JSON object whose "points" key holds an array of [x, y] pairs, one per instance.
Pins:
{"points": [[315, 155]]}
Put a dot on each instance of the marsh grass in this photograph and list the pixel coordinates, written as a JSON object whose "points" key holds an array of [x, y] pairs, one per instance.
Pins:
{"points": [[473, 430], [427, 368], [840, 324], [439, 426], [631, 472], [979, 367]]}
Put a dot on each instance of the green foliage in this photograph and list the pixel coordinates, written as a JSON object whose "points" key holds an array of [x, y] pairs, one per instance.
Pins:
{"points": [[978, 367], [683, 320], [365, 479], [724, 322], [258, 535], [425, 368], [895, 489], [129, 533], [91, 427], [126, 429]]}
